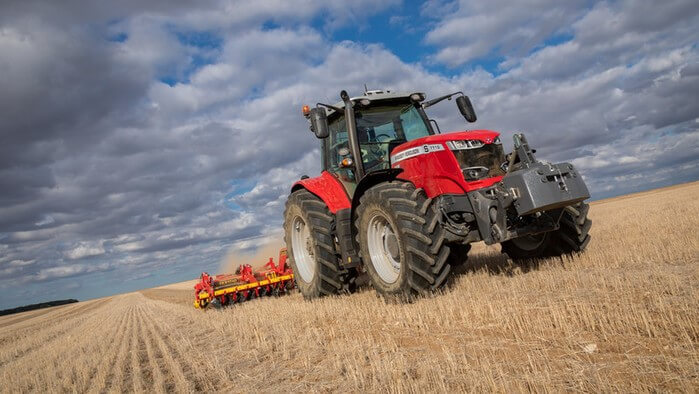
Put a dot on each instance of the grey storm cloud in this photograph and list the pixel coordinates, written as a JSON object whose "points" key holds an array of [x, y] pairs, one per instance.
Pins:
{"points": [[109, 173]]}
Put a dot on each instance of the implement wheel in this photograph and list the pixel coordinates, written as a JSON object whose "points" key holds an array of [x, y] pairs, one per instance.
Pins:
{"points": [[311, 248], [572, 237], [401, 241]]}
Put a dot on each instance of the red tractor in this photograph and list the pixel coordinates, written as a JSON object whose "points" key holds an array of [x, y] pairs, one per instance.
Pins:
{"points": [[402, 202]]}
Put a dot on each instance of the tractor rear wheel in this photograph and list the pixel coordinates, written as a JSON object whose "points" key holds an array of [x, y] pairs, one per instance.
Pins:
{"points": [[311, 248], [572, 237], [401, 241]]}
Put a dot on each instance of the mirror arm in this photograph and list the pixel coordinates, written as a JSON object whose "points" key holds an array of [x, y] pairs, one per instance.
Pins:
{"points": [[332, 107], [439, 99]]}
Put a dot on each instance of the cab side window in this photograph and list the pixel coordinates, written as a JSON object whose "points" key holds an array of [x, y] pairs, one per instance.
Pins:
{"points": [[337, 141]]}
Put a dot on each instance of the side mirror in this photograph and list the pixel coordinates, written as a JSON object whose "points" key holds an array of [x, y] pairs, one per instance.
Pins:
{"points": [[466, 108], [319, 122]]}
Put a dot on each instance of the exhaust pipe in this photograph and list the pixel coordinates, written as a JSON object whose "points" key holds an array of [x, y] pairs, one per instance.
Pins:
{"points": [[352, 135]]}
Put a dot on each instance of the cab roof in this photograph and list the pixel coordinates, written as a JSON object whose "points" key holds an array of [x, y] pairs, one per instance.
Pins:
{"points": [[373, 96]]}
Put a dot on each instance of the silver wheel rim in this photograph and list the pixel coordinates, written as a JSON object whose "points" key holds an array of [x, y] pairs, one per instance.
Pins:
{"points": [[384, 250], [530, 242], [302, 248]]}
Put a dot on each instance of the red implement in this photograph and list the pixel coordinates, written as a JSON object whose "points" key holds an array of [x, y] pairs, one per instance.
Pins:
{"points": [[245, 284]]}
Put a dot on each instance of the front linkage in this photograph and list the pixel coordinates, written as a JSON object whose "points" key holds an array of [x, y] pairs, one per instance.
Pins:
{"points": [[529, 200]]}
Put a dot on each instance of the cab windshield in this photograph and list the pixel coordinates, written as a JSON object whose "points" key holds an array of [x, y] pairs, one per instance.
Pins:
{"points": [[380, 129]]}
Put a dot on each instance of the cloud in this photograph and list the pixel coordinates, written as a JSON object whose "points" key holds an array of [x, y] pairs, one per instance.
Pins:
{"points": [[68, 270], [48, 219], [21, 263], [85, 249], [476, 29]]}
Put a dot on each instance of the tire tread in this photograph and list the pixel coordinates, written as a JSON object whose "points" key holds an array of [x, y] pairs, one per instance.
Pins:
{"points": [[333, 279], [426, 254]]}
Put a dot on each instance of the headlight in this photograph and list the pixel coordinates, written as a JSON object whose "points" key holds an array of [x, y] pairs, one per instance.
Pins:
{"points": [[464, 144], [497, 140], [475, 173]]}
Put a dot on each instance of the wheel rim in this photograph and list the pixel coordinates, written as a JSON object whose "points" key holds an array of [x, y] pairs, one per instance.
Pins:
{"points": [[530, 242], [302, 248], [384, 249]]}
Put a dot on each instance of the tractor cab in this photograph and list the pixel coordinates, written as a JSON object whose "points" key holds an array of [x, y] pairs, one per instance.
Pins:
{"points": [[383, 121], [359, 134]]}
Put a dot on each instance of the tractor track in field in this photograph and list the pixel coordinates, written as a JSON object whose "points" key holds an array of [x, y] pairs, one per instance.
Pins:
{"points": [[105, 367], [28, 323], [134, 344], [177, 361], [152, 376], [80, 308], [98, 352], [26, 328], [135, 376], [186, 339], [27, 316], [42, 341], [171, 370], [119, 364], [98, 367]]}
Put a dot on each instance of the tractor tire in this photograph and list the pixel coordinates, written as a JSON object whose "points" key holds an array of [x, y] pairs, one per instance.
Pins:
{"points": [[401, 242], [572, 237], [311, 247]]}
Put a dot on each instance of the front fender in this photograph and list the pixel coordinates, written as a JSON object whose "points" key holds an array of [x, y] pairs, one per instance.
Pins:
{"points": [[372, 179]]}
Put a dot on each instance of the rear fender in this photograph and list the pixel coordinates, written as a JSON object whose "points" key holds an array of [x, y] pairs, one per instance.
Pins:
{"points": [[327, 188], [331, 191]]}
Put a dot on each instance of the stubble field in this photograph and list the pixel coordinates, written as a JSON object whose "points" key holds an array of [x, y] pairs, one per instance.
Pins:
{"points": [[624, 316]]}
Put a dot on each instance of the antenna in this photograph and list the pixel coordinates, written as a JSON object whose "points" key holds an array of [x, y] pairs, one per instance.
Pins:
{"points": [[365, 89]]}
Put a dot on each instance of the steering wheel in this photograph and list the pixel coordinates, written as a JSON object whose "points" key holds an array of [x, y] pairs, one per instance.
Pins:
{"points": [[376, 148], [378, 138]]}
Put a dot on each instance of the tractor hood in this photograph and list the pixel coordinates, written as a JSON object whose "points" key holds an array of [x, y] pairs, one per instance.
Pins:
{"points": [[485, 136], [456, 162]]}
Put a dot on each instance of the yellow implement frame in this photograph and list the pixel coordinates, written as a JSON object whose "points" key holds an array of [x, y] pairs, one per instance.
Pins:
{"points": [[271, 279]]}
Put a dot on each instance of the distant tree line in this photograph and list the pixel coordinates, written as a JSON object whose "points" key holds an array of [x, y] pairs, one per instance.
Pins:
{"points": [[40, 305]]}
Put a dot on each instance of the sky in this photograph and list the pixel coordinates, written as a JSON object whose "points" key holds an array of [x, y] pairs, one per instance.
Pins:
{"points": [[143, 142]]}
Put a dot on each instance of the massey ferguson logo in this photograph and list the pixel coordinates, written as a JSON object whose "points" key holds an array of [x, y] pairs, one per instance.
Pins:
{"points": [[412, 152]]}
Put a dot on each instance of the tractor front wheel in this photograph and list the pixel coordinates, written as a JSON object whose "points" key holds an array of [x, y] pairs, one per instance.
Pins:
{"points": [[572, 237], [401, 241]]}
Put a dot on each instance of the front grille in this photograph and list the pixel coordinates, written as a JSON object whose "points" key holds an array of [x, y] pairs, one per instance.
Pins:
{"points": [[486, 161]]}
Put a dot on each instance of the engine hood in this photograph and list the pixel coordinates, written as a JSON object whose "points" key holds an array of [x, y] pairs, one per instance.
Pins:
{"points": [[485, 136]]}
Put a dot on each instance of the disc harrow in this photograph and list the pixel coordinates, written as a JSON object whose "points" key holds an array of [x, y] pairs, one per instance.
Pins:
{"points": [[245, 284]]}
